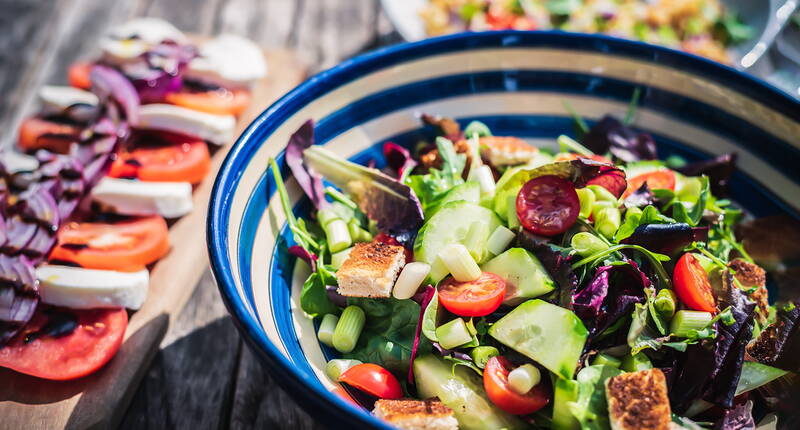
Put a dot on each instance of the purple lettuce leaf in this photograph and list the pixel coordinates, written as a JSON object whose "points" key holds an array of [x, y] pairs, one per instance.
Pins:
{"points": [[611, 135], [398, 158], [640, 198], [740, 417], [599, 305], [303, 254], [309, 181], [779, 343], [558, 265], [666, 238], [691, 376], [719, 171], [427, 296]]}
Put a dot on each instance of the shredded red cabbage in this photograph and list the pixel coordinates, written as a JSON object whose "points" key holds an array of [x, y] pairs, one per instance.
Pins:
{"points": [[426, 299]]}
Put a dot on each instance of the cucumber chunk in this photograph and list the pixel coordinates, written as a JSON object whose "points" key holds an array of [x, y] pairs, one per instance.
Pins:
{"points": [[550, 335], [469, 192], [461, 390], [525, 276], [450, 225]]}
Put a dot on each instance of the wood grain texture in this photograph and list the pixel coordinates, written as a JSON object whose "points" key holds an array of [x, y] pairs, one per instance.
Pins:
{"points": [[203, 377]]}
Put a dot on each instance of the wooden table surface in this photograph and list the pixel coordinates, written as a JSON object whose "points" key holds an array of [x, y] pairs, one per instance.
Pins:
{"points": [[204, 377]]}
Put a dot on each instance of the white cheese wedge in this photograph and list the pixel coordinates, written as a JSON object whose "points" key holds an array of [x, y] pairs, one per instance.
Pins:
{"points": [[217, 129], [56, 99], [228, 61], [16, 162], [133, 38], [79, 288], [130, 197]]}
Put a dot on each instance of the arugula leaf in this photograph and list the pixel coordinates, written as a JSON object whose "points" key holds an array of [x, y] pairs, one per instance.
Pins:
{"points": [[300, 233], [431, 187], [734, 29], [313, 297], [452, 162], [591, 408], [641, 335], [430, 319], [679, 208], [649, 215], [655, 259], [461, 362]]}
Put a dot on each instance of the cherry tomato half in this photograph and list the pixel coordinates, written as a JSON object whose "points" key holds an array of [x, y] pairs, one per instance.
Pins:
{"points": [[220, 102], [126, 246], [474, 298], [391, 240], [548, 205], [372, 379], [78, 75], [37, 133], [96, 337], [163, 157], [692, 285], [495, 382], [656, 180]]}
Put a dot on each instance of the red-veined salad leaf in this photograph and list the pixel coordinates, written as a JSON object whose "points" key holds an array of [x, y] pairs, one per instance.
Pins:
{"points": [[599, 305], [399, 159], [309, 181], [719, 171], [640, 198], [611, 135], [393, 205], [779, 343], [428, 295]]}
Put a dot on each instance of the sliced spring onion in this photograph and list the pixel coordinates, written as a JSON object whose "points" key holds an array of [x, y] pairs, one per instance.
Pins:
{"points": [[499, 240], [665, 303], [607, 360], [484, 178], [570, 144], [585, 244], [326, 216], [337, 366], [601, 194], [410, 279], [635, 363], [524, 378], [326, 329], [358, 234], [685, 320], [586, 198], [477, 127], [438, 271], [453, 334], [348, 329], [607, 222], [338, 235], [338, 258], [476, 239], [340, 197], [460, 263], [481, 354]]}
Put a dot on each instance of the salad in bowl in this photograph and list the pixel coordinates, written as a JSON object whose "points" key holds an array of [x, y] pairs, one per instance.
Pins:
{"points": [[477, 281]]}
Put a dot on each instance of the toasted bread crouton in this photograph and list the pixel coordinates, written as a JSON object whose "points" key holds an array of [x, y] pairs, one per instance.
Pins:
{"points": [[370, 270], [413, 414], [753, 277], [638, 400], [506, 151]]}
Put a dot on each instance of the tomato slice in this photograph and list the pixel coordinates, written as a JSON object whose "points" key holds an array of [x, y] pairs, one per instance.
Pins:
{"points": [[78, 75], [372, 379], [37, 133], [220, 102], [163, 157], [569, 156], [548, 205], [495, 382], [126, 246], [474, 298], [656, 180], [692, 285], [46, 348]]}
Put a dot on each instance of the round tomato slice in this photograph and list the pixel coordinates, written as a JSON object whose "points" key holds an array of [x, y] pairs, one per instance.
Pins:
{"points": [[63, 344], [474, 298], [692, 285], [372, 379], [220, 102], [656, 180], [78, 75], [495, 382], [37, 133], [126, 246], [568, 156], [167, 158], [548, 205]]}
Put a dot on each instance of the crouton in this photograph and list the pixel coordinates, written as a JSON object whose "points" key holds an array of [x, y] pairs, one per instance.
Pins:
{"points": [[413, 414], [370, 270], [638, 400], [506, 151], [752, 277]]}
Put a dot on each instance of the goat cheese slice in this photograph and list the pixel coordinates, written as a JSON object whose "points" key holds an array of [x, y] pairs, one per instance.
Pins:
{"points": [[79, 288], [130, 197], [56, 99], [133, 38], [228, 61], [16, 162], [217, 129]]}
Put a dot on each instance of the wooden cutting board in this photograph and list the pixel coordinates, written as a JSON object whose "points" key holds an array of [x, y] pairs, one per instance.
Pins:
{"points": [[100, 400]]}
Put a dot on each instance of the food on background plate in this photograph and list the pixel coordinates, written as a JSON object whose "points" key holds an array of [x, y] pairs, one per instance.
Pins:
{"points": [[96, 174], [594, 286], [702, 27]]}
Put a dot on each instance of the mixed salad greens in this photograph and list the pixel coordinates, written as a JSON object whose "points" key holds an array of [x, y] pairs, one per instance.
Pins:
{"points": [[703, 27], [522, 280]]}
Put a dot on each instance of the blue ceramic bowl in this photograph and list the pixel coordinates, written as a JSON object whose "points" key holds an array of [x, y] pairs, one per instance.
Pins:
{"points": [[515, 82]]}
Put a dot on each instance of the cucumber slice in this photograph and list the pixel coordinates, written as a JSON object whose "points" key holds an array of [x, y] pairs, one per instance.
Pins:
{"points": [[450, 225], [565, 391], [525, 276], [469, 192]]}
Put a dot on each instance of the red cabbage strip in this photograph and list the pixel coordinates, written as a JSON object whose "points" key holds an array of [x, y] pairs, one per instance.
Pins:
{"points": [[19, 295], [426, 299], [309, 181]]}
